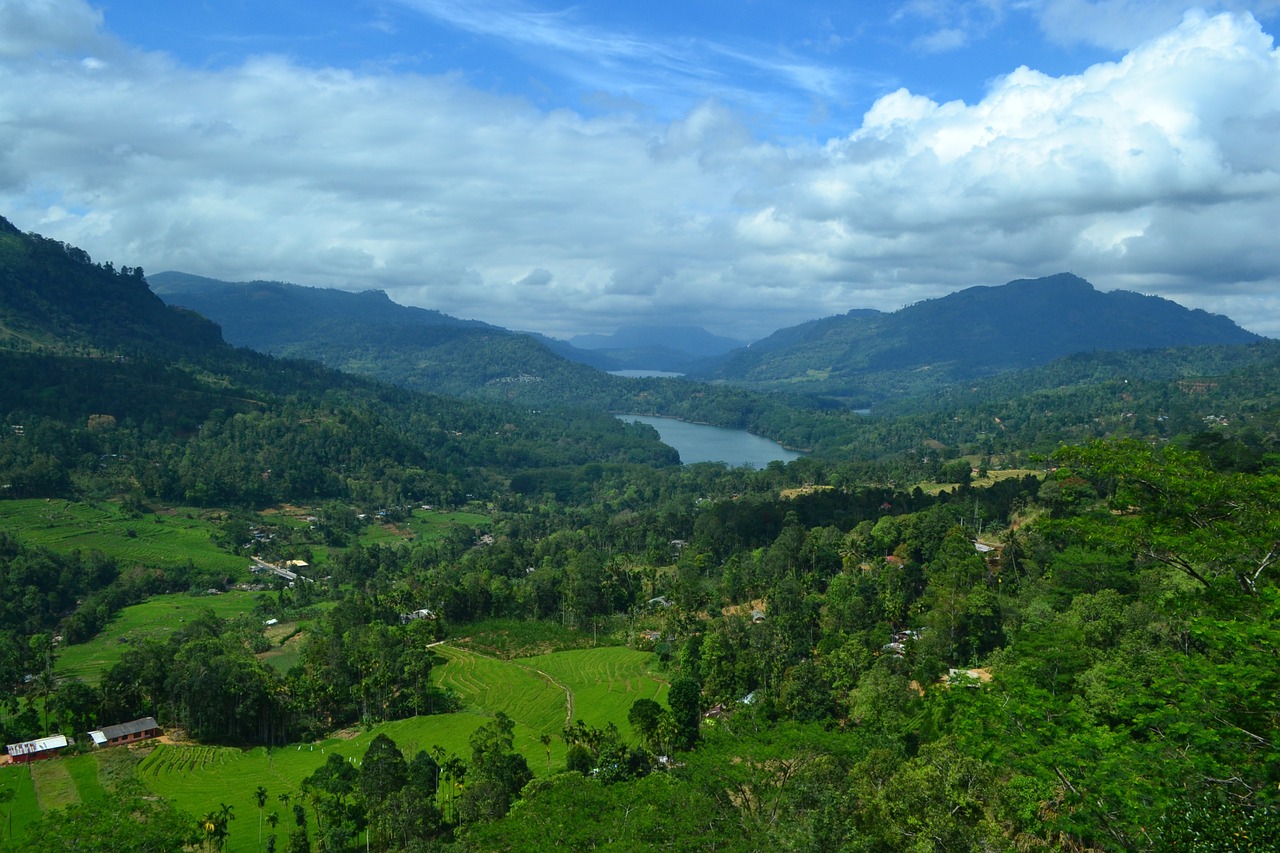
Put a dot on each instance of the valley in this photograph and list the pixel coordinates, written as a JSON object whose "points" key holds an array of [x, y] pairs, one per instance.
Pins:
{"points": [[495, 616]]}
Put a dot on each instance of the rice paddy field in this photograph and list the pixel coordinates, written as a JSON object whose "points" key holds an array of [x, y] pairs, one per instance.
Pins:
{"points": [[539, 693], [157, 617], [166, 538]]}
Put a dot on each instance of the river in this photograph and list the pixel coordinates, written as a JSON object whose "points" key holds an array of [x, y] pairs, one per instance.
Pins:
{"points": [[702, 443]]}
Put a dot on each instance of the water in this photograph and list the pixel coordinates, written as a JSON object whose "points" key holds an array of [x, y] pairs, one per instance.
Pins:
{"points": [[702, 443], [645, 374]]}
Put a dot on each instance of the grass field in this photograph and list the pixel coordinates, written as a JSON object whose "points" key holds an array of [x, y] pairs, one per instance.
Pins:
{"points": [[535, 692], [156, 617], [604, 682], [23, 808], [166, 538], [199, 779], [489, 685], [55, 786]]}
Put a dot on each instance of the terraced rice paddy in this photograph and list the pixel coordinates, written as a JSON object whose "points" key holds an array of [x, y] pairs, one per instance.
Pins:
{"points": [[539, 693]]}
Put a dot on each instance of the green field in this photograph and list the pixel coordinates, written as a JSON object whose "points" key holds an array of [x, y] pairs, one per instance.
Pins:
{"points": [[535, 692], [157, 617], [23, 808], [424, 524], [604, 682], [167, 538]]}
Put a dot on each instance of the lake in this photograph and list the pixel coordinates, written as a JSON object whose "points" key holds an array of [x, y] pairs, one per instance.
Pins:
{"points": [[702, 443], [645, 374]]}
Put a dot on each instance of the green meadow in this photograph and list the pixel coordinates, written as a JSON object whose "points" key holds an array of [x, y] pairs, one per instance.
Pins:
{"points": [[157, 617], [536, 692], [165, 538]]}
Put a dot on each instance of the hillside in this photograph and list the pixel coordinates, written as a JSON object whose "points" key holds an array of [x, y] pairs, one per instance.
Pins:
{"points": [[53, 296], [649, 347], [110, 391], [368, 334], [865, 356]]}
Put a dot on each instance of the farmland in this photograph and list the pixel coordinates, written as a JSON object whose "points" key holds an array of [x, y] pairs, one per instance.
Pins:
{"points": [[156, 618], [536, 692], [166, 538]]}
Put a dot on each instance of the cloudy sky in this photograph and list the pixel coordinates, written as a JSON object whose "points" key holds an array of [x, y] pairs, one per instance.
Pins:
{"points": [[739, 164]]}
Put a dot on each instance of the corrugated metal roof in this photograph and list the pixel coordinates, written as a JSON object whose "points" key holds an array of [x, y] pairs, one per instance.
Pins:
{"points": [[126, 729], [40, 745]]}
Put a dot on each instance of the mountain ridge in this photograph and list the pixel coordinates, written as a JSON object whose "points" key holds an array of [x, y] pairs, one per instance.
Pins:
{"points": [[978, 331]]}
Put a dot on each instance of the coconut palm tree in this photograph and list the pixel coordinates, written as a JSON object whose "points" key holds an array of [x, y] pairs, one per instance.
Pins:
{"points": [[260, 795]]}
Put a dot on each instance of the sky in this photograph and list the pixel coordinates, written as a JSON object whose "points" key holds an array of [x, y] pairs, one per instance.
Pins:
{"points": [[573, 168]]}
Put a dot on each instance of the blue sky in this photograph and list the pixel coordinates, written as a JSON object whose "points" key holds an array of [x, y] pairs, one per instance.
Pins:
{"points": [[573, 168], [791, 69]]}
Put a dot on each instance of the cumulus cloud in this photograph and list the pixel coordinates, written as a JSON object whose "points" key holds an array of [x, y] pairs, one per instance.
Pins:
{"points": [[1157, 172], [31, 27], [1123, 24]]}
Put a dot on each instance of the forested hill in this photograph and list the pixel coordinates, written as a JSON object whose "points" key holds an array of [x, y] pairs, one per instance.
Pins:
{"points": [[366, 333], [106, 388], [271, 316], [975, 332], [650, 347], [53, 295]]}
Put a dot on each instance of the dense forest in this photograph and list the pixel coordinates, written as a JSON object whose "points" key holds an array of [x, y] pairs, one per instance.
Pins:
{"points": [[897, 643]]}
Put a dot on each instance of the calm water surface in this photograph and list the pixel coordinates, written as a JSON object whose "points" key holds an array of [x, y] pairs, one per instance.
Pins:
{"points": [[702, 443]]}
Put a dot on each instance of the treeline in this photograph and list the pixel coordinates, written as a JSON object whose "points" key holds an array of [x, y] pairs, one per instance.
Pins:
{"points": [[87, 427], [1107, 683]]}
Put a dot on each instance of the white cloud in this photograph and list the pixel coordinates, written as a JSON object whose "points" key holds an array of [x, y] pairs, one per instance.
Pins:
{"points": [[1157, 172], [1123, 24], [32, 27]]}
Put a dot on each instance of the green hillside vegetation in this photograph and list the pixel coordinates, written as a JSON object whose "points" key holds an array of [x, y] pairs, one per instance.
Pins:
{"points": [[1071, 649], [871, 356], [130, 538], [156, 618]]}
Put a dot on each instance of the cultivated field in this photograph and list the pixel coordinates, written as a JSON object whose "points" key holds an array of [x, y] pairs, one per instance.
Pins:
{"points": [[157, 617], [167, 538], [536, 692]]}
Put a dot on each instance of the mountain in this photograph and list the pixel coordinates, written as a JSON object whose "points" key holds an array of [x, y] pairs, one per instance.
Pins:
{"points": [[675, 348], [865, 356], [366, 333], [108, 391], [53, 295]]}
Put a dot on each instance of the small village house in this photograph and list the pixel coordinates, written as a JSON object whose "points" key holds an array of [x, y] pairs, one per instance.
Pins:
{"points": [[36, 750], [131, 732]]}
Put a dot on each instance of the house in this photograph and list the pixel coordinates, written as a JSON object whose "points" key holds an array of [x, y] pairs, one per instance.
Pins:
{"points": [[423, 613], [36, 750], [131, 732]]}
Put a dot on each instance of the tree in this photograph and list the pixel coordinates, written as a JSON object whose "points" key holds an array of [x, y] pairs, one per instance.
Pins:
{"points": [[1174, 510], [124, 820], [383, 774], [545, 740], [685, 699], [216, 826], [498, 772], [330, 789], [260, 796], [643, 717]]}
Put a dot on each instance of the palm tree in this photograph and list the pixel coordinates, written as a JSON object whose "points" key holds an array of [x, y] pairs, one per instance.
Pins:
{"points": [[261, 796], [546, 742], [272, 819], [226, 814], [209, 825]]}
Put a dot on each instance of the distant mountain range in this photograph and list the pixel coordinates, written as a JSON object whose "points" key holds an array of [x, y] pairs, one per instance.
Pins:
{"points": [[867, 355], [651, 347], [366, 333], [857, 359]]}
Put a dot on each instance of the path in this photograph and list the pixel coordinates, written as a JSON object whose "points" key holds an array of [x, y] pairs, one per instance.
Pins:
{"points": [[550, 679]]}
